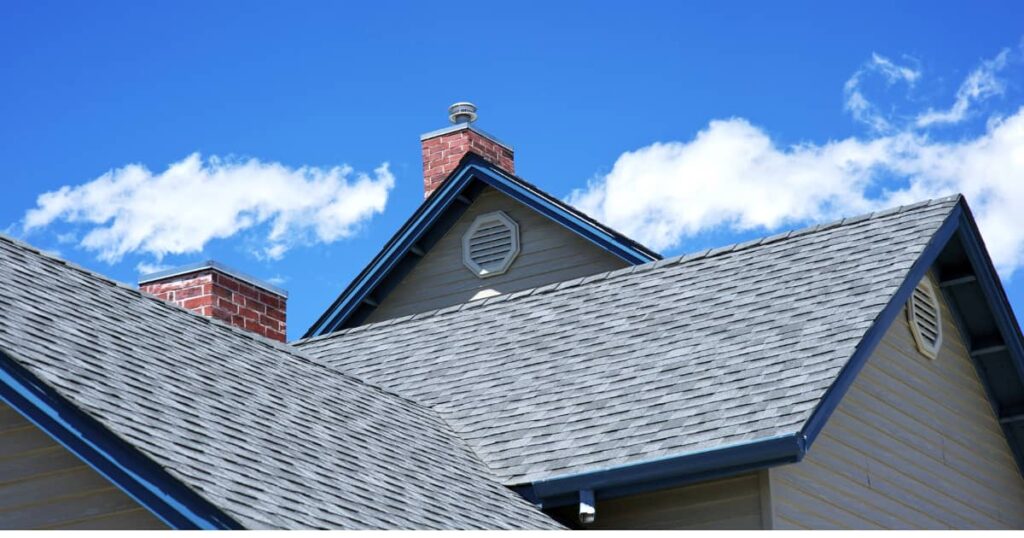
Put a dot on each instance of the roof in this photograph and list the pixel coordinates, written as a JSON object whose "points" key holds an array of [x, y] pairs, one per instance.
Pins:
{"points": [[690, 355], [227, 424], [436, 216]]}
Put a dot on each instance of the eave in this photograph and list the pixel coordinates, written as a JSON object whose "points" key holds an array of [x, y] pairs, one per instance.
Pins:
{"points": [[149, 484], [957, 255]]}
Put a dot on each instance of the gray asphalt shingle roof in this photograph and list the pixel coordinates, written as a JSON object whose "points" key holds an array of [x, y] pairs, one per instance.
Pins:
{"points": [[676, 356], [255, 427]]}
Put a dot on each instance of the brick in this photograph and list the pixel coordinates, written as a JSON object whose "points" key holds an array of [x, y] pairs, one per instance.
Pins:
{"points": [[268, 321], [221, 291], [442, 154], [191, 291], [198, 302], [276, 313], [255, 304], [275, 335], [214, 294], [248, 313], [271, 300], [228, 282], [226, 305], [221, 314]]}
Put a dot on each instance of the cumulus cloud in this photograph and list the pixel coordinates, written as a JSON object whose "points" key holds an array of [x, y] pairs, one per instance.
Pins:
{"points": [[979, 85], [733, 176], [179, 210]]}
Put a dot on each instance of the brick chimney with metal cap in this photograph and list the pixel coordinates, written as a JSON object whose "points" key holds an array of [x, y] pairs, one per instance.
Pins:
{"points": [[444, 148], [216, 291]]}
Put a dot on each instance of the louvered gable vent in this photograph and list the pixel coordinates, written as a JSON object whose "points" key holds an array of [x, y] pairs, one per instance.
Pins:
{"points": [[925, 319], [491, 244]]}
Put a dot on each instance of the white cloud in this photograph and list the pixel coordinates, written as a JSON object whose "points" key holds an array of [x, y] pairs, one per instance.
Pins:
{"points": [[145, 268], [179, 210], [732, 175], [859, 106], [979, 85]]}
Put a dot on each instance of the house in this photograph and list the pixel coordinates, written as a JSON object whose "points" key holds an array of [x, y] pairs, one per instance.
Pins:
{"points": [[506, 361]]}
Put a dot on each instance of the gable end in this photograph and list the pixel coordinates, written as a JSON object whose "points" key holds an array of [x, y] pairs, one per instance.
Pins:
{"points": [[436, 216]]}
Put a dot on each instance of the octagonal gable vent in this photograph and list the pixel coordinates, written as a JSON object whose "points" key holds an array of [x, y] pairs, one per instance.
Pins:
{"points": [[491, 244], [925, 319]]}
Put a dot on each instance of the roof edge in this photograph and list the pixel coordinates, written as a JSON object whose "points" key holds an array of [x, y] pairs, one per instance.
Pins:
{"points": [[960, 223], [671, 471], [735, 459], [428, 214], [866, 347], [679, 259], [115, 459]]}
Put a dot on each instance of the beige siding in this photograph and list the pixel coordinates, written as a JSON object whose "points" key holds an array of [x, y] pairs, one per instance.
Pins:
{"points": [[549, 253], [42, 485], [913, 444], [732, 503]]}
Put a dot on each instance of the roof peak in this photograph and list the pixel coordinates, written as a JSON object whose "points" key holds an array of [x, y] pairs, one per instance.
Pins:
{"points": [[679, 259]]}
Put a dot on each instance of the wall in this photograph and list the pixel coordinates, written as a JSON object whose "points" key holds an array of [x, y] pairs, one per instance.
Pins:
{"points": [[914, 444], [549, 253], [731, 503], [42, 485]]}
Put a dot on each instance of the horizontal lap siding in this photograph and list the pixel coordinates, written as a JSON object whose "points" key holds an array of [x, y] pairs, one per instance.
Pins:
{"points": [[42, 485], [914, 444], [733, 503], [549, 253]]}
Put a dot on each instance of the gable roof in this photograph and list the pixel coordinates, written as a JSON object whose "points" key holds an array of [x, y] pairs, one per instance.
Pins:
{"points": [[708, 363], [212, 427], [437, 214]]}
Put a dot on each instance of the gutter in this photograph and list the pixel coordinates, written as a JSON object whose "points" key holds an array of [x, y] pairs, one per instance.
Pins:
{"points": [[666, 472]]}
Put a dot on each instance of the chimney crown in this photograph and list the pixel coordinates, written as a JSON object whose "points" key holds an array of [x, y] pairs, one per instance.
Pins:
{"points": [[444, 148], [214, 290]]}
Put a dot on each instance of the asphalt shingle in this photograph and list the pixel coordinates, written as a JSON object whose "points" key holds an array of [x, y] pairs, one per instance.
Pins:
{"points": [[269, 436], [680, 355]]}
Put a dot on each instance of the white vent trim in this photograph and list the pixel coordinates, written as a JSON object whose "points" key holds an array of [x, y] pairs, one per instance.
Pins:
{"points": [[924, 312], [491, 244]]}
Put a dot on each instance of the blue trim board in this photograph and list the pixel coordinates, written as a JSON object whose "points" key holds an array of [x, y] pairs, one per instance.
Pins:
{"points": [[392, 253], [726, 461], [665, 472], [993, 291], [116, 460], [428, 215], [1006, 323], [874, 335]]}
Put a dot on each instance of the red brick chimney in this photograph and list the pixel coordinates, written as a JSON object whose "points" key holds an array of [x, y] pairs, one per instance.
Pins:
{"points": [[210, 289], [444, 148]]}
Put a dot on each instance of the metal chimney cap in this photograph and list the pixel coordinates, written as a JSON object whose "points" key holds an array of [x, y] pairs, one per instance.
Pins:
{"points": [[462, 112]]}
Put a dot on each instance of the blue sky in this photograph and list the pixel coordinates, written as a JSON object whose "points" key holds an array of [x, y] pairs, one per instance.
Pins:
{"points": [[653, 116]]}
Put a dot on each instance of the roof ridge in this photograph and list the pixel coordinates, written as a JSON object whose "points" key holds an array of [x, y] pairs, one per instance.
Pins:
{"points": [[607, 275], [188, 314], [579, 212]]}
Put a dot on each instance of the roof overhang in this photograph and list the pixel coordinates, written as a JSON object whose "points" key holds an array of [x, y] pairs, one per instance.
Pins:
{"points": [[667, 472], [957, 254], [139, 477]]}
